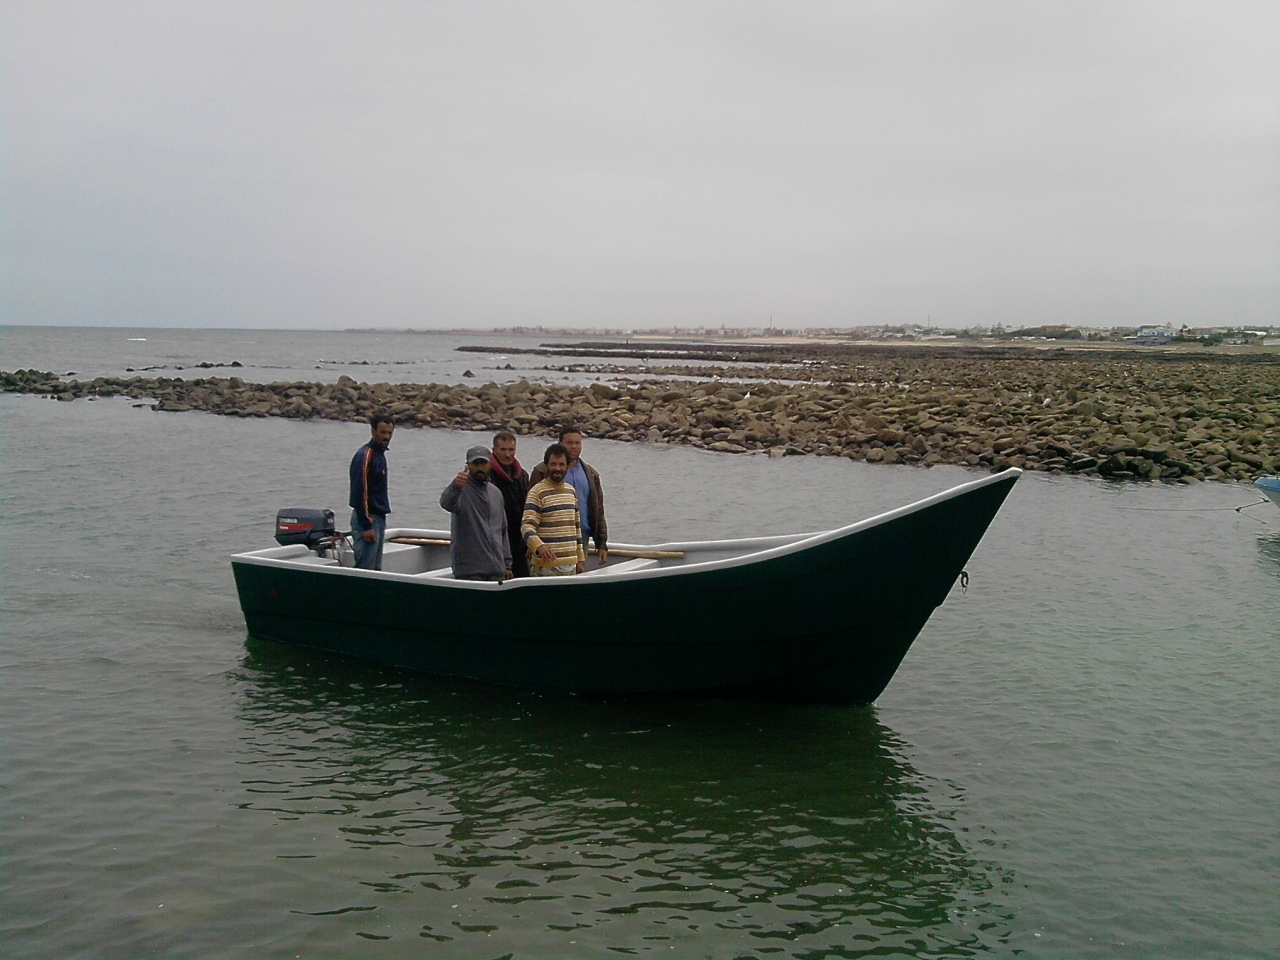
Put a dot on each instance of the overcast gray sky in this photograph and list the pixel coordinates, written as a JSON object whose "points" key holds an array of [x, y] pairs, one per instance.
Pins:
{"points": [[480, 164]]}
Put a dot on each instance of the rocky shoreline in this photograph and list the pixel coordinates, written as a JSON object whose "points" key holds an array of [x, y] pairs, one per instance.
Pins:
{"points": [[1125, 418]]}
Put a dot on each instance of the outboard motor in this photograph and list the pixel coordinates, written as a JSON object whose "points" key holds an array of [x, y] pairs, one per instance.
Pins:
{"points": [[314, 528]]}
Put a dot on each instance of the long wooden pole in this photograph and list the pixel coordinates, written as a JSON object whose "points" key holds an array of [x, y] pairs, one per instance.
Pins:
{"points": [[624, 552]]}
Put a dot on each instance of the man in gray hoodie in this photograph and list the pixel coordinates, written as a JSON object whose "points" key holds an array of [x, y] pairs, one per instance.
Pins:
{"points": [[481, 549]]}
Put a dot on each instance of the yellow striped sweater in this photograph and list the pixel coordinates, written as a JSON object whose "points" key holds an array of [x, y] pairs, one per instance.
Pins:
{"points": [[551, 518]]}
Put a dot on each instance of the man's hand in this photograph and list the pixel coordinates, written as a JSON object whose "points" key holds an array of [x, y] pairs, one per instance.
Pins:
{"points": [[579, 567], [461, 479], [546, 553], [604, 555], [369, 536], [510, 575]]}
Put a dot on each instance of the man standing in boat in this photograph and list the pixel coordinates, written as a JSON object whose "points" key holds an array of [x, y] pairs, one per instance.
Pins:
{"points": [[513, 483], [480, 548], [586, 482], [368, 500], [552, 527]]}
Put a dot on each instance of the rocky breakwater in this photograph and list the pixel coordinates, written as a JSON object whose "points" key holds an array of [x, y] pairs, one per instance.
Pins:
{"points": [[1130, 419]]}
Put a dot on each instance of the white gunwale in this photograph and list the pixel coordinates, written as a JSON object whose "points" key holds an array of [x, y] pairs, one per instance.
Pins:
{"points": [[745, 550]]}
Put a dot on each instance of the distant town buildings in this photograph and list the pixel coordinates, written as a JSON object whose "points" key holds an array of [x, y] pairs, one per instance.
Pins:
{"points": [[1145, 334]]}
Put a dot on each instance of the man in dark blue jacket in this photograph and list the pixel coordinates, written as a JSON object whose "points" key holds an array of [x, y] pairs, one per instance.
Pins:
{"points": [[369, 502]]}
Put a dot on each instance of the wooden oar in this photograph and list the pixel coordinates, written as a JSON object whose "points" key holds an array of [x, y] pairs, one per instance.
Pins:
{"points": [[625, 552]]}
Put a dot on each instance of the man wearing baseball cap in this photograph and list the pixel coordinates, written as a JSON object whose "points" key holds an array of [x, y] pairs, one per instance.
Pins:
{"points": [[480, 549]]}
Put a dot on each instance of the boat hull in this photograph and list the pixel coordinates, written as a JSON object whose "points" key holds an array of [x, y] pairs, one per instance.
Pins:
{"points": [[827, 623]]}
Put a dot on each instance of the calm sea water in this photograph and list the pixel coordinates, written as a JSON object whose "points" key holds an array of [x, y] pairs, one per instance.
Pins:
{"points": [[266, 356], [1078, 757]]}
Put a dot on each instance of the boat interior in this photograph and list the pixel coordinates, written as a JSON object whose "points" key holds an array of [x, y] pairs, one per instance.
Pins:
{"points": [[426, 554]]}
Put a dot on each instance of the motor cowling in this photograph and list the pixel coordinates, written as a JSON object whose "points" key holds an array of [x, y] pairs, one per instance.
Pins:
{"points": [[313, 528]]}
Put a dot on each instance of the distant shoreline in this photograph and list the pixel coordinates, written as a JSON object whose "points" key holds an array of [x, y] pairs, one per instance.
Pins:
{"points": [[932, 343], [942, 343]]}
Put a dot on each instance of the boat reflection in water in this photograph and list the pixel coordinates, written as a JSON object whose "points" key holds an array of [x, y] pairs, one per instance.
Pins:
{"points": [[1269, 552], [497, 822]]}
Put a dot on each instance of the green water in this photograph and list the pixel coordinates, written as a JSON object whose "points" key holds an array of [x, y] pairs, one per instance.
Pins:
{"points": [[1078, 757]]}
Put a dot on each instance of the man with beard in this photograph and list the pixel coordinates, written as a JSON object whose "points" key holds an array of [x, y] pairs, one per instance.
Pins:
{"points": [[368, 496], [586, 481], [513, 483], [551, 526], [480, 549]]}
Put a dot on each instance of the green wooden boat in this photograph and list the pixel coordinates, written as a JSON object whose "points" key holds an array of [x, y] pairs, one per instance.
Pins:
{"points": [[823, 617]]}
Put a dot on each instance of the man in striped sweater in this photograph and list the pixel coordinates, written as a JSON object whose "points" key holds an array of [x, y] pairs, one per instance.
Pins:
{"points": [[552, 526]]}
